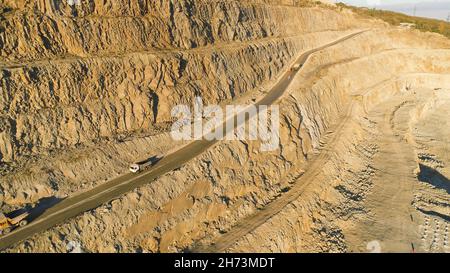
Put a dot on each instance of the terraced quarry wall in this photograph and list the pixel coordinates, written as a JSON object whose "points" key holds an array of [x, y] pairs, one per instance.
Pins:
{"points": [[87, 76]]}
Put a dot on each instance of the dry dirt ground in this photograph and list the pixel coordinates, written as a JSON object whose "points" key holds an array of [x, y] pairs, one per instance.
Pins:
{"points": [[363, 160]]}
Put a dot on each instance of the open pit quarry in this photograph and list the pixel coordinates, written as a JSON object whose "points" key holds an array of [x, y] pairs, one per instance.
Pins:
{"points": [[363, 163]]}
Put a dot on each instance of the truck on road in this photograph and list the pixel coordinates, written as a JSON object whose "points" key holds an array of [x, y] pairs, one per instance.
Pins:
{"points": [[142, 165], [296, 67], [8, 224]]}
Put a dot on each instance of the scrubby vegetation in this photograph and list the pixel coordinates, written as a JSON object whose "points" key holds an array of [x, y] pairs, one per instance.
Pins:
{"points": [[395, 18]]}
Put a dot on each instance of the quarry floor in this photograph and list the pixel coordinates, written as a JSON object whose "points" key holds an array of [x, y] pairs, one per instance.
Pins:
{"points": [[407, 127]]}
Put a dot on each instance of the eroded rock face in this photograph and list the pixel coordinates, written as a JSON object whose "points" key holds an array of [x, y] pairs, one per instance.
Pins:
{"points": [[84, 77], [87, 89], [93, 27]]}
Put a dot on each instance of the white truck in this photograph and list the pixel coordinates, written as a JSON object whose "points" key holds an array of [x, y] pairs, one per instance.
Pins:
{"points": [[296, 67], [142, 165]]}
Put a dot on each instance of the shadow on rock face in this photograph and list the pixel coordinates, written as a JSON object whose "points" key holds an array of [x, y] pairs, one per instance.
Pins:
{"points": [[434, 178]]}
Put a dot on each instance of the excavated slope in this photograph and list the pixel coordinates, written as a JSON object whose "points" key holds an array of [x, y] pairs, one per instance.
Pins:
{"points": [[70, 85], [362, 158]]}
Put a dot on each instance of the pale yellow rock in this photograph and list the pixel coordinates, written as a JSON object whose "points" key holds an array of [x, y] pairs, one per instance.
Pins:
{"points": [[78, 104]]}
